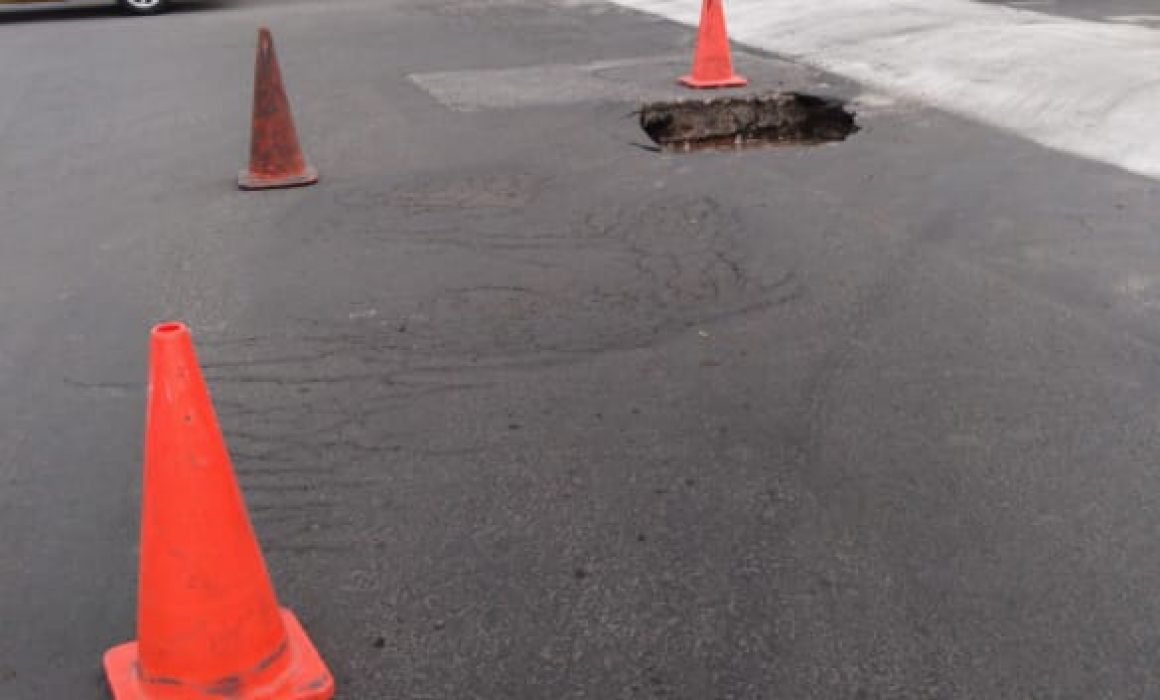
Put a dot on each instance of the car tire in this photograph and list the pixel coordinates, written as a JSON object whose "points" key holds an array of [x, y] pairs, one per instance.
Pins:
{"points": [[144, 7]]}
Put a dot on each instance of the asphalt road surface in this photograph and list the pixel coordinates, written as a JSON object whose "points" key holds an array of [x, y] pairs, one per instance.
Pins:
{"points": [[1142, 12], [525, 409]]}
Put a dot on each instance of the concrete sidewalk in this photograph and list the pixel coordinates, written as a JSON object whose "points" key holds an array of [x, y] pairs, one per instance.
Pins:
{"points": [[1086, 88]]}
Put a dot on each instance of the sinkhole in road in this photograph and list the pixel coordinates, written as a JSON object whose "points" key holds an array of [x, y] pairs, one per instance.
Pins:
{"points": [[781, 119]]}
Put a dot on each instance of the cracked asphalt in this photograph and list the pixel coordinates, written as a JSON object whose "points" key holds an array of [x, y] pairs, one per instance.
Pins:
{"points": [[525, 409]]}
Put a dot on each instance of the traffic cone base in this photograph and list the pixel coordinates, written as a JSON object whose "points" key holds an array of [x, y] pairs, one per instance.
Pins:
{"points": [[730, 82], [252, 181], [306, 676]]}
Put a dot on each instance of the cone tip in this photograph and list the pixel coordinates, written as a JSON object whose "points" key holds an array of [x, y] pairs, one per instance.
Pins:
{"points": [[170, 330]]}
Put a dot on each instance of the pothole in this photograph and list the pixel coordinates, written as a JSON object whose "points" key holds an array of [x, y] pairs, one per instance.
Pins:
{"points": [[782, 119]]}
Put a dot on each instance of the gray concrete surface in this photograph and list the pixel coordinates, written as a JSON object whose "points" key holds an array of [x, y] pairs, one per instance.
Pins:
{"points": [[525, 410]]}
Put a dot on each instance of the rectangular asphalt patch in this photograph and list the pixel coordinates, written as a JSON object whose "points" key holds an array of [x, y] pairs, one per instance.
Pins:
{"points": [[640, 79]]}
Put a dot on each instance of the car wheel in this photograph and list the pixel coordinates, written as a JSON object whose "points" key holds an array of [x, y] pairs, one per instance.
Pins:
{"points": [[144, 7]]}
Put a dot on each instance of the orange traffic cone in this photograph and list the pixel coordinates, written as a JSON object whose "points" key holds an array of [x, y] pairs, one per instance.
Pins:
{"points": [[276, 159], [713, 62], [208, 623]]}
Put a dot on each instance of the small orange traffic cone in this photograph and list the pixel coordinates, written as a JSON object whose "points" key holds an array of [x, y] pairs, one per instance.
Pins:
{"points": [[276, 159], [713, 62], [208, 622]]}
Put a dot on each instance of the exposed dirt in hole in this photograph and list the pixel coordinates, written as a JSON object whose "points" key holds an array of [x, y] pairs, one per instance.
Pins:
{"points": [[739, 122]]}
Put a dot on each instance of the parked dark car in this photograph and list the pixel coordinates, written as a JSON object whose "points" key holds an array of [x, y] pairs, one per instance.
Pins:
{"points": [[135, 7]]}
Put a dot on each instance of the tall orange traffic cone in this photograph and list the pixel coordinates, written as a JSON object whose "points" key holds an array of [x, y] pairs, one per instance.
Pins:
{"points": [[276, 159], [713, 62], [208, 622]]}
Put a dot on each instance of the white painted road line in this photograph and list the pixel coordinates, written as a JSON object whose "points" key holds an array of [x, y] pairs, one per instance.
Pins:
{"points": [[1087, 88]]}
